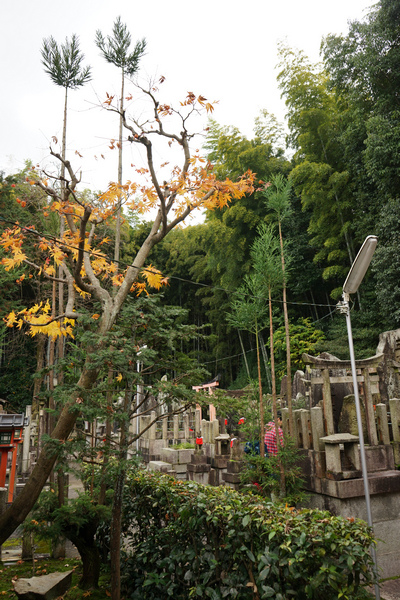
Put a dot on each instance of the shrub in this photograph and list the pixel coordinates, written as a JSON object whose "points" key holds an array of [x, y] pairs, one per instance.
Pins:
{"points": [[264, 472], [186, 540]]}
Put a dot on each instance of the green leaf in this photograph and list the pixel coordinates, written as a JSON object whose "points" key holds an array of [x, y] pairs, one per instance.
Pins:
{"points": [[246, 520], [250, 555], [268, 591]]}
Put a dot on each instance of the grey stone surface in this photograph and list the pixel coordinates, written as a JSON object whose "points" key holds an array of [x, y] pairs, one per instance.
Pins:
{"points": [[45, 587], [176, 456], [159, 465], [385, 516], [390, 590]]}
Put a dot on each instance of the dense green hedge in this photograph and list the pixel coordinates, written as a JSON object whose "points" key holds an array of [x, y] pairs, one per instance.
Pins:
{"points": [[188, 541]]}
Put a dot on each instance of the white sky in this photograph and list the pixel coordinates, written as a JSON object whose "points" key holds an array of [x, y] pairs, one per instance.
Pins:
{"points": [[224, 50]]}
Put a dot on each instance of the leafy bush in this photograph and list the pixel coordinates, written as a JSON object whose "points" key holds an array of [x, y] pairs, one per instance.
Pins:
{"points": [[264, 472], [186, 540]]}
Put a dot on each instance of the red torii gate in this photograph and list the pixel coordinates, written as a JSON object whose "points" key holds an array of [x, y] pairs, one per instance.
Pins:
{"points": [[211, 408], [11, 427]]}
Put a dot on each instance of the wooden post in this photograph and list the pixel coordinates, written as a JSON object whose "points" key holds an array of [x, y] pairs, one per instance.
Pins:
{"points": [[3, 505], [11, 484]]}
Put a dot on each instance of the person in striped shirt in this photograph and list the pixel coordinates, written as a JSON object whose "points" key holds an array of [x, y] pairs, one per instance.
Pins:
{"points": [[270, 436]]}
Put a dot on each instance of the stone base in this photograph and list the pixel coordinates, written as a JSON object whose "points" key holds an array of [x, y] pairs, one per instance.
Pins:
{"points": [[220, 462], [385, 511], [385, 482], [159, 465]]}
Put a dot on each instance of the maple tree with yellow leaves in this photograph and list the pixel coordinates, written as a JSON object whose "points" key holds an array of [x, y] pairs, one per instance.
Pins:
{"points": [[78, 252]]}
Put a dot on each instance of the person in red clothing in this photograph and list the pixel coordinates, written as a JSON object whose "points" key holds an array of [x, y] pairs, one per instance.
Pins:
{"points": [[270, 436]]}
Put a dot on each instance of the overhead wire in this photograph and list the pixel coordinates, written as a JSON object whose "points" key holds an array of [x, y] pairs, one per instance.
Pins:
{"points": [[93, 253]]}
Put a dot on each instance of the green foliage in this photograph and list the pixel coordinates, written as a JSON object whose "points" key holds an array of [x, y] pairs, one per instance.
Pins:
{"points": [[184, 446], [188, 541], [304, 337], [50, 521], [386, 263], [264, 474], [64, 63], [115, 49], [19, 202]]}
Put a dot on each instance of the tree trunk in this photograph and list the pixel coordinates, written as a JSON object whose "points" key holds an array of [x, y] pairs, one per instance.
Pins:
{"points": [[244, 355], [86, 545], [262, 453], [118, 215], [288, 361], [274, 406], [115, 537], [106, 446], [265, 359], [41, 344], [24, 502]]}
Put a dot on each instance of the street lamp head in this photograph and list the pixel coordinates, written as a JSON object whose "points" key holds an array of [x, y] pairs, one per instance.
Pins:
{"points": [[360, 265]]}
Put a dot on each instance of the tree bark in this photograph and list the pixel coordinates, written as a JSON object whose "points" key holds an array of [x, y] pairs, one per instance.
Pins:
{"points": [[24, 502], [274, 405], [115, 537], [85, 542], [262, 453], [288, 360]]}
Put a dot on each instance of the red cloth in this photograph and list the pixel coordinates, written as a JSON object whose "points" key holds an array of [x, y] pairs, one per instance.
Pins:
{"points": [[270, 438]]}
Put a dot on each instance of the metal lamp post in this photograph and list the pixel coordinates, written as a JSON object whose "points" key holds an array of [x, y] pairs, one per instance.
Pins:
{"points": [[353, 280]]}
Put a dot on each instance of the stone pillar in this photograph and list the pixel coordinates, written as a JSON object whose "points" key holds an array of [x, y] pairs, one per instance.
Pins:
{"points": [[144, 422], [186, 432], [285, 421], [204, 431], [394, 404], [214, 430], [306, 428], [317, 428], [297, 428], [176, 429], [165, 430], [197, 421], [327, 400], [153, 428], [369, 410], [383, 425]]}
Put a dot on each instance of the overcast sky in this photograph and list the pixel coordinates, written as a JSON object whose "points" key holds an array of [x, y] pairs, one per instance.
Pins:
{"points": [[224, 50]]}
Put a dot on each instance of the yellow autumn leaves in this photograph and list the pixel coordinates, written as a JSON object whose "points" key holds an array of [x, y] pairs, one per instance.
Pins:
{"points": [[40, 321]]}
